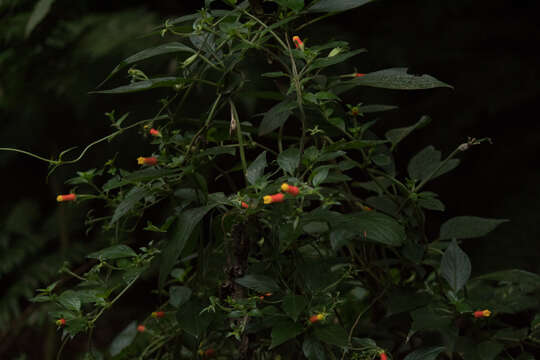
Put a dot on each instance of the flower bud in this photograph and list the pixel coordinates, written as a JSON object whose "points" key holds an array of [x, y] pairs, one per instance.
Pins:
{"points": [[141, 328], [269, 199], [359, 74], [158, 314], [315, 318], [67, 197], [382, 356], [245, 205], [61, 322], [154, 132], [147, 160], [298, 43], [290, 189], [482, 313]]}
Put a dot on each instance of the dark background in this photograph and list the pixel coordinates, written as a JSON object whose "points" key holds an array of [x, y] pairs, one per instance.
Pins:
{"points": [[486, 49]]}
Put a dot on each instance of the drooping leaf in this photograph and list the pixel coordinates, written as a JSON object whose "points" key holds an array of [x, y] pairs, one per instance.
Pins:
{"points": [[123, 339], [313, 349], [256, 168], [331, 334], [260, 283], [328, 61], [168, 81], [289, 159], [396, 135], [284, 331], [336, 5], [320, 174], [113, 252], [468, 227], [398, 79], [293, 305], [185, 226], [41, 9], [129, 202], [172, 47], [429, 353], [424, 164], [455, 266], [367, 109], [276, 116], [179, 295]]}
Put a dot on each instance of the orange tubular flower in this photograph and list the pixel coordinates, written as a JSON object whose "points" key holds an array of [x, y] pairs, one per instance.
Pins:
{"points": [[154, 132], [61, 322], [67, 197], [358, 75], [314, 318], [158, 314], [141, 328], [297, 42], [147, 160], [482, 313], [245, 205], [382, 356], [269, 199], [290, 189]]}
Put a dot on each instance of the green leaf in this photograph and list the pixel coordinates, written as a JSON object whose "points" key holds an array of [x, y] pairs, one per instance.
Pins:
{"points": [[336, 5], [274, 74], [179, 295], [123, 339], [293, 305], [328, 61], [455, 266], [289, 159], [331, 334], [295, 5], [367, 109], [168, 81], [429, 353], [398, 79], [488, 350], [113, 252], [260, 283], [378, 227], [319, 175], [428, 200], [185, 226], [276, 116], [129, 202], [168, 48], [313, 350], [396, 135], [70, 300], [468, 227], [191, 319], [284, 331], [256, 168], [428, 160], [143, 175], [41, 9]]}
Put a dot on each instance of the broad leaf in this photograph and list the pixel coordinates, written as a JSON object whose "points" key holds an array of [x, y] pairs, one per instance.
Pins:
{"points": [[168, 48], [143, 175], [319, 175], [284, 331], [70, 300], [168, 81], [289, 159], [276, 116], [260, 283], [336, 5], [179, 295], [123, 339], [113, 252], [396, 135], [468, 227], [455, 266], [129, 202], [185, 226], [427, 164], [295, 5], [313, 350], [430, 353], [398, 79], [293, 305], [331, 334], [378, 227], [256, 168], [328, 61], [191, 319], [41, 9]]}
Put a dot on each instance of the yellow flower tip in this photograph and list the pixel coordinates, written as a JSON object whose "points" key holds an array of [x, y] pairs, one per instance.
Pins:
{"points": [[140, 160], [59, 198], [285, 187], [66, 197], [486, 313], [267, 199], [320, 316]]}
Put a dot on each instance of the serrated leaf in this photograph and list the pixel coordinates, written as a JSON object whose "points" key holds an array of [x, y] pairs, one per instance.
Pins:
{"points": [[289, 160], [179, 295], [185, 225], [168, 81], [336, 5], [260, 283], [429, 353], [331, 334], [70, 300], [455, 266], [256, 168], [293, 305], [396, 135], [123, 339], [328, 61], [284, 331], [41, 9], [113, 252], [468, 227], [129, 202], [276, 116], [424, 164], [168, 48], [398, 79], [313, 350]]}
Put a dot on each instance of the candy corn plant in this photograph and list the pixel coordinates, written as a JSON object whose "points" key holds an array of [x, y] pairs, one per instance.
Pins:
{"points": [[287, 232]]}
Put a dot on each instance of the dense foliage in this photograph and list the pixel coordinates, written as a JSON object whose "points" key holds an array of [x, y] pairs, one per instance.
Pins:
{"points": [[294, 233]]}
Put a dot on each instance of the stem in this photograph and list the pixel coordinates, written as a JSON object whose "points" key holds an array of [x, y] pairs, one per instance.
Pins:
{"points": [[441, 165], [234, 117]]}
